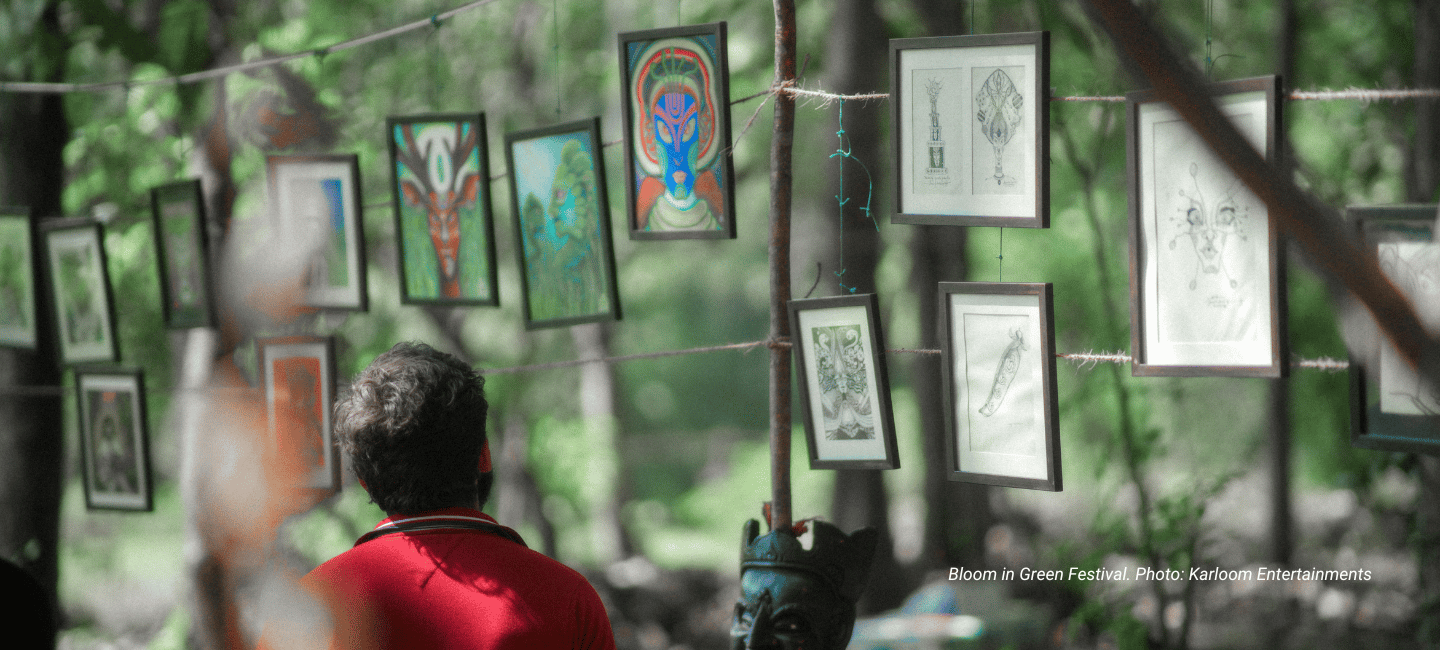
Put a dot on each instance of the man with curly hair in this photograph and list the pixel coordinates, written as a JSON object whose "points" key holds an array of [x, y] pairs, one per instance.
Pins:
{"points": [[438, 573]]}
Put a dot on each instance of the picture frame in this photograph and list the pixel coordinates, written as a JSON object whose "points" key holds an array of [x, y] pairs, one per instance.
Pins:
{"points": [[114, 438], [1207, 270], [1393, 408], [1001, 405], [18, 328], [440, 176], [316, 202], [679, 173], [298, 376], [182, 247], [80, 289], [987, 164], [567, 262], [846, 426]]}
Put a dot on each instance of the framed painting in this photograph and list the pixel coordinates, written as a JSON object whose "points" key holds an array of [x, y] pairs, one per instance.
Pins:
{"points": [[1392, 407], [316, 202], [440, 175], [845, 388], [80, 285], [298, 374], [562, 224], [1207, 271], [971, 121], [679, 177], [1001, 406], [183, 249], [114, 438], [17, 279]]}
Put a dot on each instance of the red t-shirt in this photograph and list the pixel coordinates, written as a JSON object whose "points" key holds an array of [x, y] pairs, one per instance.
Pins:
{"points": [[457, 588]]}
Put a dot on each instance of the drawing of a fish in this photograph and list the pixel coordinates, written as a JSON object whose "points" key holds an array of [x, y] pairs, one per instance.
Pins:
{"points": [[1009, 365]]}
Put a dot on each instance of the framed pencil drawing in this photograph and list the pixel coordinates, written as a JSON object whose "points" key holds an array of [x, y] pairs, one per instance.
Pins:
{"points": [[80, 286], [971, 121], [182, 247], [440, 175], [17, 279], [316, 201], [1206, 269], [679, 178], [562, 224], [1001, 413], [845, 387], [114, 438], [1392, 407], [298, 374]]}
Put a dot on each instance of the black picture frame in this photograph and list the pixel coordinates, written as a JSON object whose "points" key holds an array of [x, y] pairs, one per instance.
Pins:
{"points": [[297, 374], [828, 336], [450, 195], [580, 288], [694, 65], [79, 280], [303, 188], [976, 73], [114, 438], [1383, 415], [182, 250], [1012, 438], [1207, 270]]}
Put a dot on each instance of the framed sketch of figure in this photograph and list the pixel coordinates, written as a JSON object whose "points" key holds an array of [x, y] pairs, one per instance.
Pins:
{"points": [[1393, 407], [679, 181], [183, 250], [114, 438], [80, 287], [845, 387], [971, 125], [1001, 406], [1207, 274], [298, 375]]}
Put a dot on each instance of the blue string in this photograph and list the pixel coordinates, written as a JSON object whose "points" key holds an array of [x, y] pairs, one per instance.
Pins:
{"points": [[840, 198]]}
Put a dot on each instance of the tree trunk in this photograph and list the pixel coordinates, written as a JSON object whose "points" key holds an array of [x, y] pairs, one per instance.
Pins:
{"points": [[32, 174], [1424, 183], [1278, 415], [855, 44], [597, 412]]}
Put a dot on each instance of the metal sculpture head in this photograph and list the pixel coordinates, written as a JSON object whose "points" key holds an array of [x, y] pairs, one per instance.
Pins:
{"points": [[793, 598], [438, 159], [677, 124]]}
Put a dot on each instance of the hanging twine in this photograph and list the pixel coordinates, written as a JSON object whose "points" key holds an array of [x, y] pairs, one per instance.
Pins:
{"points": [[841, 199]]}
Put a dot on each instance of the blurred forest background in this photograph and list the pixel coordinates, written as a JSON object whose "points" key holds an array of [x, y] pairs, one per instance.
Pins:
{"points": [[642, 472]]}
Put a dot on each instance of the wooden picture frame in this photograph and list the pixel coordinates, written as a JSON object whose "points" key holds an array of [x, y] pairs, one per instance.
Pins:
{"points": [[970, 118], [1207, 270], [18, 328], [844, 384], [1002, 422], [316, 203], [1393, 408], [182, 248], [80, 288], [567, 262], [679, 174], [440, 176], [298, 376], [114, 439]]}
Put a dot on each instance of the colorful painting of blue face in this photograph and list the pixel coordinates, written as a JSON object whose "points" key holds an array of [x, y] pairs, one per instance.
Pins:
{"points": [[677, 117]]}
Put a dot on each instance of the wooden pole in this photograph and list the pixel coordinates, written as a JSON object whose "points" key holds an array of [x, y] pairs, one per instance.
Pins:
{"points": [[781, 144]]}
